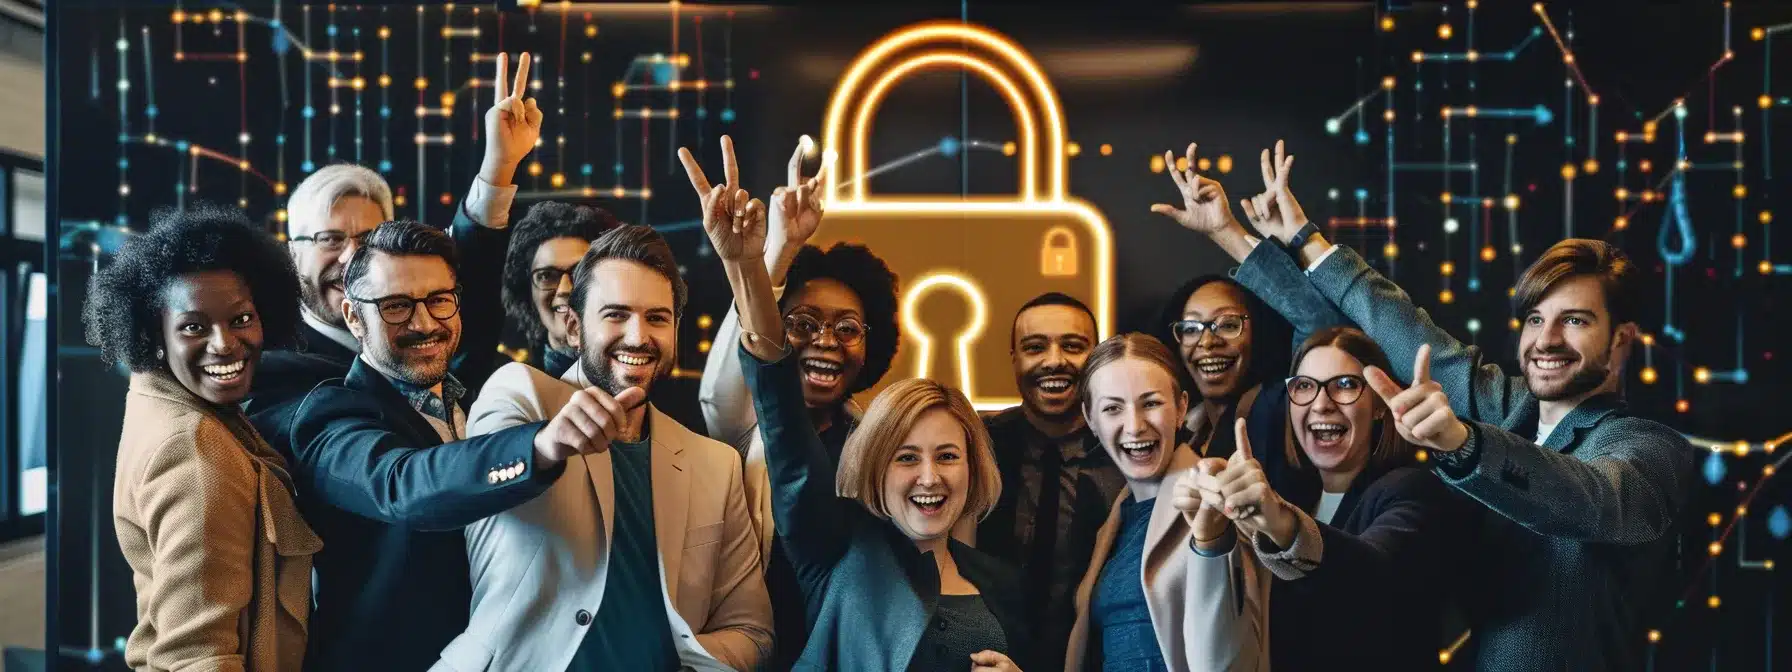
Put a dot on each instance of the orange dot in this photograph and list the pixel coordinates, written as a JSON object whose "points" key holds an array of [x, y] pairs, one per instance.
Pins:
{"points": [[1682, 406], [446, 198], [1487, 253], [1106, 149], [1446, 296], [1738, 241]]}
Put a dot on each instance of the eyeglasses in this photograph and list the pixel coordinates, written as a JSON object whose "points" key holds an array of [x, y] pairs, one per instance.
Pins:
{"points": [[332, 241], [1225, 326], [399, 309], [548, 277], [1342, 390], [848, 331]]}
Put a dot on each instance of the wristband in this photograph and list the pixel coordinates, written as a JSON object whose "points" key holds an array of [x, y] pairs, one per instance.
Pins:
{"points": [[1300, 237]]}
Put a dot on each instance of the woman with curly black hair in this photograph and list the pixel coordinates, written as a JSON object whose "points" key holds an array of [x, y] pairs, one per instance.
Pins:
{"points": [[544, 248], [839, 310], [202, 506]]}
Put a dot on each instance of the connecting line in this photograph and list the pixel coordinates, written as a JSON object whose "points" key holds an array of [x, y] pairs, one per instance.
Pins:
{"points": [[1472, 56], [1334, 124], [922, 154], [1747, 498], [1675, 219], [1567, 55]]}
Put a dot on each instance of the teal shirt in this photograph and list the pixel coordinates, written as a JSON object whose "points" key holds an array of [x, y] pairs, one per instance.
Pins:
{"points": [[630, 631]]}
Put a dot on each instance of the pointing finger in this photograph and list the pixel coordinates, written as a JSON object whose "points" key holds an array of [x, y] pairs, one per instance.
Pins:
{"points": [[1384, 386], [1269, 173], [730, 168], [1243, 440], [793, 173], [1170, 165]]}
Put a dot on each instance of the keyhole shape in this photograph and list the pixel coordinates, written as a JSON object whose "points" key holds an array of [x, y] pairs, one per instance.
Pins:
{"points": [[943, 352]]}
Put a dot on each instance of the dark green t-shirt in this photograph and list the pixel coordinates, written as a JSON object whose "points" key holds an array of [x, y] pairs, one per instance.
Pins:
{"points": [[630, 631]]}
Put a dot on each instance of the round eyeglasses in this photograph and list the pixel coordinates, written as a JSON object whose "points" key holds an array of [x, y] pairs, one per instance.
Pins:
{"points": [[805, 329], [1227, 327], [1342, 390]]}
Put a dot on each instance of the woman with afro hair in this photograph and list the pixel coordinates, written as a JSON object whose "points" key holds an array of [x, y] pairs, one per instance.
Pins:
{"points": [[839, 310], [203, 508], [544, 247]]}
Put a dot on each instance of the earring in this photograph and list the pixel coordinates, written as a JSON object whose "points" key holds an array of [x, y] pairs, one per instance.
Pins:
{"points": [[160, 354]]}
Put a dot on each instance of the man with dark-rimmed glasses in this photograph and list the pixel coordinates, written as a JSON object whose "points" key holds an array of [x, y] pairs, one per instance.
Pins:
{"points": [[385, 474]]}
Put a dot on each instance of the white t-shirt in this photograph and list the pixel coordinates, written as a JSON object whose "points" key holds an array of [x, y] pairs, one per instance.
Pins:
{"points": [[1328, 506], [1543, 432]]}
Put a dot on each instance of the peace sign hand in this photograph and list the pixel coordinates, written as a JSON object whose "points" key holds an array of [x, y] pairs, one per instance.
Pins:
{"points": [[1274, 212], [1204, 207], [796, 207], [513, 124], [1422, 413], [735, 223]]}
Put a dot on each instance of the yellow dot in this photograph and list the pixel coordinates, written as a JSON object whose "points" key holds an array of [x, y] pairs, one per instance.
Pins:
{"points": [[1182, 163], [1387, 82], [385, 32], [1225, 163], [1738, 241], [1567, 171], [1701, 374], [1446, 296], [1203, 165], [1713, 602], [534, 168], [1621, 223], [1487, 253], [1740, 191], [1443, 657], [280, 215], [1387, 22], [1008, 149], [1765, 101], [1714, 520], [1445, 197], [1742, 448], [1073, 149], [1766, 267], [558, 180], [1106, 149], [1654, 636], [591, 30], [1648, 340], [448, 99], [1419, 57], [1682, 406], [1387, 115], [1511, 201], [703, 345], [216, 16], [1648, 375], [421, 83], [1444, 31], [1421, 455], [279, 188], [1622, 193], [703, 321], [1513, 324], [1766, 216], [358, 83], [1157, 163], [385, 81], [1757, 34], [1590, 167], [1448, 268], [1390, 250], [398, 200], [1767, 564], [180, 16]]}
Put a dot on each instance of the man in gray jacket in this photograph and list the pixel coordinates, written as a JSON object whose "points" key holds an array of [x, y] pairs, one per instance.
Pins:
{"points": [[1584, 496]]}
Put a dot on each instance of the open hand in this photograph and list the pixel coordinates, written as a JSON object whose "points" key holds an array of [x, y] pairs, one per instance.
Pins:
{"points": [[1274, 212], [796, 207], [1422, 413], [588, 422], [1204, 207], [513, 124], [734, 221]]}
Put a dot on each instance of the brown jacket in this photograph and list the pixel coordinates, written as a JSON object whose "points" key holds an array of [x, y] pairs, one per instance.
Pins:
{"points": [[220, 558]]}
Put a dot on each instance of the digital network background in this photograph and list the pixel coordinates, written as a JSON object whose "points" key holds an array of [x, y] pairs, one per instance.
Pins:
{"points": [[1448, 143]]}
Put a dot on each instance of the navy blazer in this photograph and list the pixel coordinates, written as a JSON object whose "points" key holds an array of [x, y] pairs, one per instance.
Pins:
{"points": [[284, 375], [870, 592], [389, 498]]}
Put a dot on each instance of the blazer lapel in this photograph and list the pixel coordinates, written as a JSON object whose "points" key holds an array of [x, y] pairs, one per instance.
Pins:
{"points": [[597, 465], [671, 495], [1164, 517], [1582, 418], [362, 376]]}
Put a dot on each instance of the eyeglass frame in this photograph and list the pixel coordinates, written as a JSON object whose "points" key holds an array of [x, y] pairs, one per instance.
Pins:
{"points": [[412, 312], [563, 272], [359, 239], [828, 327], [1210, 326], [1325, 387]]}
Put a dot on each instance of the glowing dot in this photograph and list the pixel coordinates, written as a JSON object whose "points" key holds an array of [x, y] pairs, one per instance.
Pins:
{"points": [[1648, 339], [1202, 164], [1106, 149], [1757, 34], [1487, 253], [398, 200], [1766, 216], [124, 85], [421, 138], [1740, 191], [703, 321], [1073, 149], [243, 165], [1649, 375], [1764, 102], [1622, 136], [1332, 126], [1446, 296], [124, 190], [1182, 163], [1701, 374], [1444, 31], [1225, 163], [1513, 324], [1567, 171], [1713, 602], [280, 215], [216, 16], [1682, 406], [1654, 636], [1387, 82], [703, 345], [385, 81], [446, 198], [358, 83], [585, 57], [1451, 225], [1511, 201], [558, 180], [180, 16], [385, 32], [534, 168], [1447, 268], [1008, 149], [1593, 100], [1622, 193], [1332, 193], [1517, 249], [1387, 22], [1387, 115], [1443, 657], [1714, 520], [1474, 325], [1418, 56], [591, 30], [1590, 167], [1390, 250], [1766, 267], [1511, 139], [1473, 56], [1568, 59], [421, 83], [1446, 197], [1738, 241]]}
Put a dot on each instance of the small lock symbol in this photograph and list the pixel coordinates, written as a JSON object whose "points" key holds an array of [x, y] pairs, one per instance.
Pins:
{"points": [[1057, 254]]}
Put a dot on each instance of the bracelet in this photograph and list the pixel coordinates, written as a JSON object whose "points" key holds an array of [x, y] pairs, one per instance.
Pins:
{"points": [[1215, 538]]}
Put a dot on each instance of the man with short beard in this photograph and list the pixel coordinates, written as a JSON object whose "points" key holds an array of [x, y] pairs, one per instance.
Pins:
{"points": [[329, 216], [384, 472], [1060, 482], [642, 556], [1586, 496]]}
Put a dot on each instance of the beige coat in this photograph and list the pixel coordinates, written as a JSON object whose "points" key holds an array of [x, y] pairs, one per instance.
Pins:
{"points": [[1202, 618], [219, 556]]}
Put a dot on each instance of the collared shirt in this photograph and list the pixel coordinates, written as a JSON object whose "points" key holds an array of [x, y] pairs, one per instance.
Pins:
{"points": [[1088, 484], [443, 410], [341, 336]]}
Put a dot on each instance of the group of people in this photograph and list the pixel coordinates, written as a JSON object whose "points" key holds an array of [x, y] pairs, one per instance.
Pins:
{"points": [[325, 467]]}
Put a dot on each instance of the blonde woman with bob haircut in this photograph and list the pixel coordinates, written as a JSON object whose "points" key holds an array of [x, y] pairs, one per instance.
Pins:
{"points": [[885, 585], [1169, 587]]}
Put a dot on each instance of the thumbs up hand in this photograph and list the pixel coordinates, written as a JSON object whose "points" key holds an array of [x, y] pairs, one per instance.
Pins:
{"points": [[1197, 497], [1248, 500], [1422, 413]]}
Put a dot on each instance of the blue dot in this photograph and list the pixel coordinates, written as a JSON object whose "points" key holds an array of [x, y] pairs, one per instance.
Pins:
{"points": [[307, 166], [385, 112], [330, 150], [307, 112], [727, 115], [180, 146], [1779, 524], [356, 31], [280, 139], [1362, 137], [949, 146], [94, 656], [385, 166], [124, 163], [273, 23], [151, 111], [1474, 284], [585, 169], [617, 168], [1621, 164], [331, 30], [702, 113], [1714, 468], [123, 138], [122, 220], [1362, 194], [179, 187]]}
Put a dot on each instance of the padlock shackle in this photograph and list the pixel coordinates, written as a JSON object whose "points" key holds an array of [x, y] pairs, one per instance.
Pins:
{"points": [[858, 94]]}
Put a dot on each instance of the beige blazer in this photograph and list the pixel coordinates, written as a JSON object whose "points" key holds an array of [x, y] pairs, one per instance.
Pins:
{"points": [[219, 555], [1208, 613], [537, 567]]}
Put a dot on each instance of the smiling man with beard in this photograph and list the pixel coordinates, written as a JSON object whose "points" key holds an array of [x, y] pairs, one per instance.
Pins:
{"points": [[1060, 483], [642, 556], [1586, 496]]}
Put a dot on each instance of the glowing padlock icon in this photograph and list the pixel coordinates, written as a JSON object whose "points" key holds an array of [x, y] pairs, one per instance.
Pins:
{"points": [[1057, 254]]}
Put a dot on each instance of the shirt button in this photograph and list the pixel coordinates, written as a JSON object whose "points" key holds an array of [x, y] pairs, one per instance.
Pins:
{"points": [[583, 618]]}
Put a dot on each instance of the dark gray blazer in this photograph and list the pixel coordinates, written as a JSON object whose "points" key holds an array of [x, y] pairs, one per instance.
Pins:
{"points": [[1585, 529]]}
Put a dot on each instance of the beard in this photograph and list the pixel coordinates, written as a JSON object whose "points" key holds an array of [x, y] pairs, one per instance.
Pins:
{"points": [[317, 302], [601, 369], [1587, 378], [419, 370]]}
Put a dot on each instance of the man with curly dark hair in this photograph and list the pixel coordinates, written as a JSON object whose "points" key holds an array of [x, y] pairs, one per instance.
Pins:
{"points": [[544, 247], [329, 216], [840, 309], [187, 307]]}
